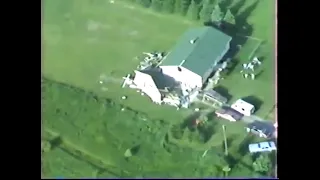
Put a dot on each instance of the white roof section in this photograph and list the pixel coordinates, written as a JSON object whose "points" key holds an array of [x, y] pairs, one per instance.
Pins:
{"points": [[243, 107]]}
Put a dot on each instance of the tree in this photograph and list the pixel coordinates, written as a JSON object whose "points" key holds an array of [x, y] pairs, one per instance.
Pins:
{"points": [[229, 18], [144, 3], [262, 164], [156, 5], [184, 6], [45, 146], [127, 153], [216, 14], [206, 10], [168, 6], [193, 11], [226, 169], [177, 6], [131, 151]]}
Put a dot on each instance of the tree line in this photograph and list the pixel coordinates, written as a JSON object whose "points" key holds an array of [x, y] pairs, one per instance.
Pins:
{"points": [[203, 10]]}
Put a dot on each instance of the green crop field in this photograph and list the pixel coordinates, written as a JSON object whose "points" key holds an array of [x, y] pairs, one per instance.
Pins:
{"points": [[86, 39]]}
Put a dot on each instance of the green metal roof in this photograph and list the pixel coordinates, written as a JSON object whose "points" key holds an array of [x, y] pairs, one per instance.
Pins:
{"points": [[208, 47]]}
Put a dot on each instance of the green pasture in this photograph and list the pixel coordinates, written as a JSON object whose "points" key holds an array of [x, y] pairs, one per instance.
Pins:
{"points": [[86, 39], [58, 163], [98, 128]]}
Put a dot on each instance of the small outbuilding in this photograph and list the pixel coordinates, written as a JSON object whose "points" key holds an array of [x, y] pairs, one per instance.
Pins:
{"points": [[243, 107], [229, 114], [214, 97]]}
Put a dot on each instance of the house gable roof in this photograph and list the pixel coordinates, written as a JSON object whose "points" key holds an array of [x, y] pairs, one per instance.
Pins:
{"points": [[198, 49], [231, 112]]}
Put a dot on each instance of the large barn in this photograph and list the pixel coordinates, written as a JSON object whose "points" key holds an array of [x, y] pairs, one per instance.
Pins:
{"points": [[195, 56], [185, 68]]}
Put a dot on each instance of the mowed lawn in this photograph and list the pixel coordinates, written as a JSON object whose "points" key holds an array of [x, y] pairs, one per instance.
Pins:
{"points": [[84, 39], [88, 38], [263, 89]]}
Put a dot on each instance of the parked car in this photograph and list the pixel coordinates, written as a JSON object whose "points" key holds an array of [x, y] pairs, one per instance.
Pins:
{"points": [[262, 147], [262, 129]]}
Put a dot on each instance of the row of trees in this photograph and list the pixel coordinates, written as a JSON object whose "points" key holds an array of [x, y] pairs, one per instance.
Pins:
{"points": [[204, 10]]}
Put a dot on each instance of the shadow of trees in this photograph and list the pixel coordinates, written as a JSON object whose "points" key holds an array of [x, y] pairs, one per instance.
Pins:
{"points": [[238, 31], [207, 131], [243, 146], [201, 132], [223, 91], [225, 5], [188, 121], [55, 142], [254, 101]]}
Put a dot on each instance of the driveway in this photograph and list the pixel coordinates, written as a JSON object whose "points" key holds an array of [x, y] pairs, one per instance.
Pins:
{"points": [[252, 118]]}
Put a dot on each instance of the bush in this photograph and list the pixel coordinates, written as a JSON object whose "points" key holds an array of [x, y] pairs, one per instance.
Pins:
{"points": [[45, 146]]}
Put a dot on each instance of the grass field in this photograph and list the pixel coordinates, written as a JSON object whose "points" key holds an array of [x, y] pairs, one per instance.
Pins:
{"points": [[100, 131], [84, 39], [67, 164], [262, 19]]}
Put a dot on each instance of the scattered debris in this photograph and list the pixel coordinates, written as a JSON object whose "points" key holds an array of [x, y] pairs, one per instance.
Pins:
{"points": [[124, 97], [204, 154], [150, 60], [256, 61], [253, 76], [250, 68]]}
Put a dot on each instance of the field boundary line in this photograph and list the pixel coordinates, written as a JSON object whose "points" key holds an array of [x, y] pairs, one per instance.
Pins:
{"points": [[68, 143]]}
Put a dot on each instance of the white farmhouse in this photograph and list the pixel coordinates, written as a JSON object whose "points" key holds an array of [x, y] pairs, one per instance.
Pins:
{"points": [[196, 55], [153, 83]]}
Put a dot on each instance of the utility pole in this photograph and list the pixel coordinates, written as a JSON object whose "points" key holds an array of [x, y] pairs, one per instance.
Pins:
{"points": [[225, 140]]}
